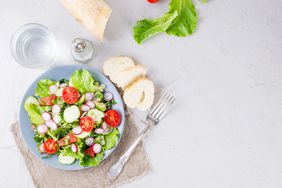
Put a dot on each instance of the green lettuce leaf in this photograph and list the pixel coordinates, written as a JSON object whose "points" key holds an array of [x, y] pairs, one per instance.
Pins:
{"points": [[84, 82], [187, 19], [42, 89], [92, 161], [78, 155], [111, 139], [180, 20], [38, 138], [147, 28], [34, 111]]}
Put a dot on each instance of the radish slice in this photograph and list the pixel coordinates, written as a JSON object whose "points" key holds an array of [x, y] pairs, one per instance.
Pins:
{"points": [[74, 148], [56, 119], [91, 104], [63, 85], [41, 148], [47, 123], [89, 96], [77, 130], [42, 129], [97, 148], [105, 126], [56, 109], [53, 89], [46, 116], [53, 126], [59, 93], [107, 129], [108, 96], [99, 131], [89, 141], [85, 108]]}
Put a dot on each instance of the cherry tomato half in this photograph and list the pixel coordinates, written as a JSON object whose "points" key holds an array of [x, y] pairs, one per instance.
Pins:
{"points": [[68, 139], [47, 101], [112, 118], [152, 1], [50, 146], [70, 95], [86, 123]]}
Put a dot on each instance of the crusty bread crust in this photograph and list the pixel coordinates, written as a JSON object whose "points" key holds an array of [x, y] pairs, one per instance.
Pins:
{"points": [[93, 14]]}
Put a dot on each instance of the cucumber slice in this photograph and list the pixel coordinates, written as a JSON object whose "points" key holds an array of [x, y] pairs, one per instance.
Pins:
{"points": [[67, 160], [101, 106], [100, 139], [81, 100], [71, 114], [30, 100], [98, 96], [109, 131], [83, 134], [96, 115]]}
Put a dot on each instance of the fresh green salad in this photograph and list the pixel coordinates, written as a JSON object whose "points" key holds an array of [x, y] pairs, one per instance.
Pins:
{"points": [[73, 119]]}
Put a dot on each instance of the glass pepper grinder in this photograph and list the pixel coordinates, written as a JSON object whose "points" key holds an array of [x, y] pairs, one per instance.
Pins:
{"points": [[82, 50]]}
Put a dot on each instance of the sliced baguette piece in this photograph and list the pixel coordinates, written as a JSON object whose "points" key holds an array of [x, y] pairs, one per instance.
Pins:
{"points": [[115, 65], [140, 94], [128, 76]]}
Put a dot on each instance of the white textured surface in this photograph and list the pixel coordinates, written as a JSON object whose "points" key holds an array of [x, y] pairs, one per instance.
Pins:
{"points": [[225, 128]]}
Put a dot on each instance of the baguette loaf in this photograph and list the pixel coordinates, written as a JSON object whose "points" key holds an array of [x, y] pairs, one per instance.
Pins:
{"points": [[93, 14]]}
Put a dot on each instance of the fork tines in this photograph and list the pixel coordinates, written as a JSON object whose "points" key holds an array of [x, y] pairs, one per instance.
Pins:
{"points": [[161, 107]]}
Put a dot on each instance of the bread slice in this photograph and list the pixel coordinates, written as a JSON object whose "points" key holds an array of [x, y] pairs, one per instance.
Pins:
{"points": [[139, 94], [93, 14], [128, 76], [115, 65]]}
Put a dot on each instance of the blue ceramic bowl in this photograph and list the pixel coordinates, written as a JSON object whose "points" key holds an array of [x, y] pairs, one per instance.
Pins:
{"points": [[58, 73]]}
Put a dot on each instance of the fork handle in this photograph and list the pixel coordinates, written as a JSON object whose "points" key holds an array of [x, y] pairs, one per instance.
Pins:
{"points": [[117, 168]]}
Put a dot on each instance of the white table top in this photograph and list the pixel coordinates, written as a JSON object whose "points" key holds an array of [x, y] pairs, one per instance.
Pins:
{"points": [[225, 128]]}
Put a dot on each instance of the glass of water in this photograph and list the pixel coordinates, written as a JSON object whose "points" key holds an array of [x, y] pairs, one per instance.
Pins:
{"points": [[33, 46]]}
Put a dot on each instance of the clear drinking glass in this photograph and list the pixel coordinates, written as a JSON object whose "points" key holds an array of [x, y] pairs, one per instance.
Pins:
{"points": [[33, 46]]}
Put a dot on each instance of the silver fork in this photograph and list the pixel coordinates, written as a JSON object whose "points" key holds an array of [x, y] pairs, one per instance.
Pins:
{"points": [[153, 118]]}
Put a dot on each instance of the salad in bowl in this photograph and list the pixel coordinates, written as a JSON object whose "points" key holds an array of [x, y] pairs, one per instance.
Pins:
{"points": [[73, 119]]}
